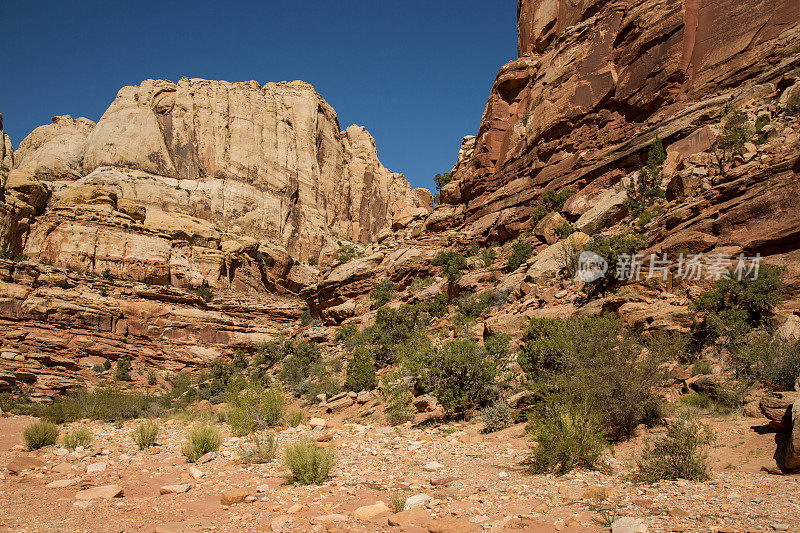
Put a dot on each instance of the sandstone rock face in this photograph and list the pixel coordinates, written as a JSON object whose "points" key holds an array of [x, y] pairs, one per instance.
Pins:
{"points": [[596, 81], [232, 184], [55, 151], [278, 146]]}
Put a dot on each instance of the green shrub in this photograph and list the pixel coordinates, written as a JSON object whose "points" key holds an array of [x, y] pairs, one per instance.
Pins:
{"points": [[521, 252], [555, 200], [201, 439], [497, 416], [298, 366], [360, 371], [488, 255], [107, 274], [76, 437], [123, 371], [382, 293], [152, 380], [613, 249], [204, 292], [308, 462], [461, 375], [452, 264], [476, 305], [645, 188], [440, 180], [397, 400], [734, 307], [594, 360], [295, 417], [107, 364], [305, 318], [346, 332], [40, 434], [539, 212], [145, 434], [647, 216], [679, 455], [261, 451], [107, 404], [567, 436], [564, 230], [253, 409], [770, 359], [569, 259], [398, 502], [347, 253], [672, 346]]}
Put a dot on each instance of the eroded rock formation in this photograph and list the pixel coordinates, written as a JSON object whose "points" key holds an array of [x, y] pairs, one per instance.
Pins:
{"points": [[176, 178]]}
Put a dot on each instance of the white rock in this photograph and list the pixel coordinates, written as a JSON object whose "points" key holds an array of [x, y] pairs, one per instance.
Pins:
{"points": [[96, 467], [433, 466], [317, 422], [628, 525], [418, 500]]}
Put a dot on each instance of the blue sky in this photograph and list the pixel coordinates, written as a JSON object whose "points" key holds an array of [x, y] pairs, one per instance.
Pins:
{"points": [[415, 73]]}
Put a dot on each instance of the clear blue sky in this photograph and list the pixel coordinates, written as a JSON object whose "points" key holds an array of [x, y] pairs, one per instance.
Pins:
{"points": [[415, 73]]}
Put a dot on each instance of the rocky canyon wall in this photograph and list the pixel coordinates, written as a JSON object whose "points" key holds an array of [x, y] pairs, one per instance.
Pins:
{"points": [[595, 83], [193, 181]]}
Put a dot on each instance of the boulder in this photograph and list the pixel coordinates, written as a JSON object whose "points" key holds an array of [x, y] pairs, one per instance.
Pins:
{"points": [[233, 496], [175, 489], [548, 262], [368, 512], [425, 403], [546, 228], [418, 500], [608, 210], [105, 492]]}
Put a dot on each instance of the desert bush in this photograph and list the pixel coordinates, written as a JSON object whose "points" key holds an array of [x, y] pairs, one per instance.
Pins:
{"points": [[564, 230], [204, 292], [475, 305], [569, 259], [672, 346], [735, 306], [645, 187], [488, 255], [254, 408], [295, 417], [308, 462], [398, 502], [613, 249], [770, 359], [306, 318], [497, 416], [592, 359], [567, 435], [297, 367], [201, 439], [461, 375], [347, 253], [260, 451], [452, 264], [520, 252], [539, 212], [360, 371], [680, 454], [145, 434], [40, 434], [397, 399], [76, 437], [382, 293], [123, 371], [647, 216], [108, 404], [555, 200], [346, 332]]}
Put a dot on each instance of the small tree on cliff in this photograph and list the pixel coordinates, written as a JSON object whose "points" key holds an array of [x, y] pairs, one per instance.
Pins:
{"points": [[441, 180]]}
